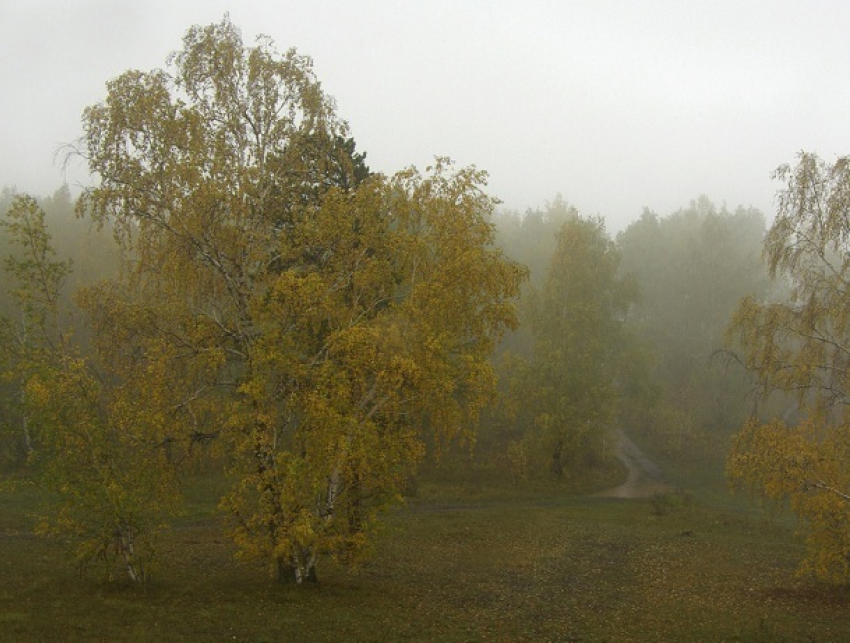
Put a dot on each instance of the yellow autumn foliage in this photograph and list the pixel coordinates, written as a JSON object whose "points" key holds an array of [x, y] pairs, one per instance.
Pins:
{"points": [[801, 347], [319, 321]]}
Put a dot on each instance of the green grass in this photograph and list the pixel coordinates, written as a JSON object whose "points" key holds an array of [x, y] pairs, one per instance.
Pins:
{"points": [[455, 565]]}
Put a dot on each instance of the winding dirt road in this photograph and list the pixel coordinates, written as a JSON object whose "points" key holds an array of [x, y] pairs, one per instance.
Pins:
{"points": [[644, 478]]}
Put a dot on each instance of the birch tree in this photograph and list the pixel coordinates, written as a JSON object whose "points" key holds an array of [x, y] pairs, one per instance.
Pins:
{"points": [[89, 440], [331, 318], [32, 336], [801, 346]]}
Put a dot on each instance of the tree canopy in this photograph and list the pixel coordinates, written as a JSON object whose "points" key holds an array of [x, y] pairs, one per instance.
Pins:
{"points": [[316, 320]]}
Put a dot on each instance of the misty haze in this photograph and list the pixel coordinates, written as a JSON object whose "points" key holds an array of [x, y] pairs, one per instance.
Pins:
{"points": [[438, 321]]}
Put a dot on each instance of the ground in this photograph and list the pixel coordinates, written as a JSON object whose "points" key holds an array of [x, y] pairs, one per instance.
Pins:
{"points": [[508, 564]]}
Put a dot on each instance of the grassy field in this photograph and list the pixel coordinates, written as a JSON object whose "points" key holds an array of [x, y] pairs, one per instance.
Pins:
{"points": [[490, 564]]}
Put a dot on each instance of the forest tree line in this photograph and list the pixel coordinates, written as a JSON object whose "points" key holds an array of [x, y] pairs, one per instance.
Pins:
{"points": [[240, 291]]}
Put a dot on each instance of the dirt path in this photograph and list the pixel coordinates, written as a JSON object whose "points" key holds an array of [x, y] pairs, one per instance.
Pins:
{"points": [[644, 478]]}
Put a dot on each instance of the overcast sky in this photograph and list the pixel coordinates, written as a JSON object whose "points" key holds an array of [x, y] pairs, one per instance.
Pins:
{"points": [[616, 105]]}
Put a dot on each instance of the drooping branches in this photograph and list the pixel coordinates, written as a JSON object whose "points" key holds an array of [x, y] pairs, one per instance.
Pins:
{"points": [[802, 347]]}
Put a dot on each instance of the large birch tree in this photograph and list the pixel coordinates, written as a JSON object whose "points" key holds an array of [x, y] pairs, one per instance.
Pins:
{"points": [[326, 319]]}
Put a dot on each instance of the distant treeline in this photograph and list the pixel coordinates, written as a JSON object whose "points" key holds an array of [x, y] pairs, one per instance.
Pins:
{"points": [[664, 369]]}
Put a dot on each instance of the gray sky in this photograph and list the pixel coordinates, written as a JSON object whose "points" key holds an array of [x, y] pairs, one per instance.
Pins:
{"points": [[616, 105]]}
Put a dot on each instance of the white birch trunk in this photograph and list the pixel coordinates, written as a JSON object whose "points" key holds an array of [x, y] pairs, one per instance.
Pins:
{"points": [[126, 546]]}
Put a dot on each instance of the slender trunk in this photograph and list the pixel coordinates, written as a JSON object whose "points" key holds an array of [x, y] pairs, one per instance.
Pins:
{"points": [[26, 435], [126, 545], [264, 461], [304, 566], [25, 428]]}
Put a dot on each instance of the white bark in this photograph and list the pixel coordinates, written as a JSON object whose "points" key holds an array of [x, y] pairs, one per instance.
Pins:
{"points": [[126, 547]]}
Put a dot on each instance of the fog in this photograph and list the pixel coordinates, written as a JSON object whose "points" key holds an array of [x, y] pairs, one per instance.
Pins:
{"points": [[255, 359], [615, 105]]}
